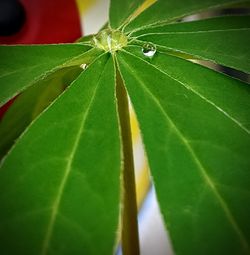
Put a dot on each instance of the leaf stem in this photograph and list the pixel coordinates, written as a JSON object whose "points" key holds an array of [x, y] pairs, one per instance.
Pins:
{"points": [[130, 237]]}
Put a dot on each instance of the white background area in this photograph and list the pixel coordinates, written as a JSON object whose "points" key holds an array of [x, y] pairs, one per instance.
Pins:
{"points": [[95, 17]]}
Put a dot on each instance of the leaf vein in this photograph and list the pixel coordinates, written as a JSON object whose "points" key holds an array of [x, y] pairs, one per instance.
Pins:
{"points": [[196, 160], [68, 169], [198, 94], [194, 32]]}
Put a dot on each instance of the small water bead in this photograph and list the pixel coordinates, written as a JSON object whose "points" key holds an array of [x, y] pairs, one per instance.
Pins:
{"points": [[110, 40], [83, 66], [149, 50]]}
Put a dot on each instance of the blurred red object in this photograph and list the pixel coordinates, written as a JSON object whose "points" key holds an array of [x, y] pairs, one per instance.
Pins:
{"points": [[47, 21]]}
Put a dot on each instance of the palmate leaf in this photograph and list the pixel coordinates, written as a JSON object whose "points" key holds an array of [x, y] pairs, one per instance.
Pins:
{"points": [[60, 182], [223, 42], [36, 98], [203, 25], [168, 11], [59, 186], [29, 64], [198, 150], [31, 103], [210, 89], [120, 11]]}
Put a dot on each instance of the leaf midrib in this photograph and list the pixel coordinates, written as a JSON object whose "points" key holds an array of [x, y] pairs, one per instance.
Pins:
{"points": [[189, 88], [67, 170], [199, 57], [196, 160], [193, 32], [17, 71], [140, 9], [36, 79], [28, 69], [173, 19]]}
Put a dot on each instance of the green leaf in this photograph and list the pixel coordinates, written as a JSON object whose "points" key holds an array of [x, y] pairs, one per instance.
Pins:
{"points": [[217, 89], [168, 11], [120, 11], [85, 39], [59, 185], [29, 64], [31, 103], [215, 24], [227, 47], [198, 154]]}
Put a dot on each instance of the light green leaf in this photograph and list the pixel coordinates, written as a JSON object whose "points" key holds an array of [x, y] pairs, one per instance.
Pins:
{"points": [[29, 64], [198, 154], [120, 11], [31, 103], [59, 185], [168, 11], [226, 47], [214, 24]]}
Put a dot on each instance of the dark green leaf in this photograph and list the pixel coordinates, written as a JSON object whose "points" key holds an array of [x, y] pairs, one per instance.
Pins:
{"points": [[214, 24], [120, 11], [171, 10], [217, 89], [59, 185], [198, 153], [31, 103], [28, 64], [226, 47]]}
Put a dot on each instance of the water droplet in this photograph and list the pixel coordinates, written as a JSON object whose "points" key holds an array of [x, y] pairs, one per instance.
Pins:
{"points": [[149, 50], [110, 40], [83, 66]]}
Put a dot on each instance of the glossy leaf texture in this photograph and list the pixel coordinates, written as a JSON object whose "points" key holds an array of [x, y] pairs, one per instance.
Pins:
{"points": [[225, 43], [29, 64], [168, 11], [195, 127], [120, 11], [204, 25], [31, 103], [59, 185]]}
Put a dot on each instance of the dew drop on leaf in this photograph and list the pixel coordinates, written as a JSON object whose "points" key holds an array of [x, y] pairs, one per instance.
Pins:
{"points": [[149, 50], [110, 40], [83, 66]]}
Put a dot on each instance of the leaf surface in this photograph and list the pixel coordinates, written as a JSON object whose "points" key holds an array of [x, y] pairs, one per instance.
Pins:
{"points": [[199, 156], [60, 182], [31, 103], [168, 11], [226, 47], [28, 64], [121, 10], [210, 24], [217, 89]]}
